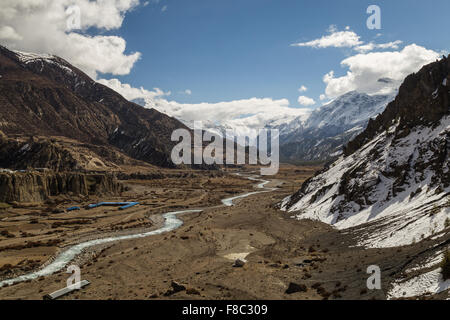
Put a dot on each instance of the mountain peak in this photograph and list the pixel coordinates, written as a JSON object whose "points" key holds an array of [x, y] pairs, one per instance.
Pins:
{"points": [[351, 94], [351, 108], [27, 57], [423, 98]]}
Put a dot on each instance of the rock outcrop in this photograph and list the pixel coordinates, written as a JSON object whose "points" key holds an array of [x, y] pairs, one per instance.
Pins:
{"points": [[40, 186]]}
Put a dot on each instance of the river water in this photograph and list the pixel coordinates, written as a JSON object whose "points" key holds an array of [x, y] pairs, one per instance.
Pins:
{"points": [[171, 222]]}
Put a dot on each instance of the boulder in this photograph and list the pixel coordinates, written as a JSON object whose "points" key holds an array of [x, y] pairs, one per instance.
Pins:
{"points": [[294, 287], [239, 263]]}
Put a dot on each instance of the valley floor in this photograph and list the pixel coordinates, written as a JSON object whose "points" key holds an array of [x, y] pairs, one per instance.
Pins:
{"points": [[200, 255]]}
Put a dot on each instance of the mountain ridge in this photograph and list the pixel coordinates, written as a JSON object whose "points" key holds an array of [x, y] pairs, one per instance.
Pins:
{"points": [[323, 134], [45, 95], [393, 179], [307, 134]]}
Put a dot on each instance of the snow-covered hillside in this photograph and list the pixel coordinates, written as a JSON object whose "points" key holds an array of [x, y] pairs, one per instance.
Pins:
{"points": [[43, 60], [393, 182], [51, 65], [387, 180], [422, 280]]}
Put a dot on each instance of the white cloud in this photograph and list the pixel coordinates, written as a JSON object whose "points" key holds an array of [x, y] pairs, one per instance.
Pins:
{"points": [[347, 39], [254, 112], [8, 33], [218, 112], [306, 101], [372, 46], [335, 38], [365, 70], [186, 92], [40, 26], [390, 45], [164, 8], [131, 93], [303, 89], [371, 64]]}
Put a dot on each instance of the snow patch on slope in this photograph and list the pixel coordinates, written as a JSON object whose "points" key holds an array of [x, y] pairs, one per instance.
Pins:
{"points": [[27, 58], [424, 284], [428, 263], [410, 215]]}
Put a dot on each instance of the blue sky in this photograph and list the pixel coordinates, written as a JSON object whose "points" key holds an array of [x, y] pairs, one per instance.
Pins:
{"points": [[234, 49], [236, 58]]}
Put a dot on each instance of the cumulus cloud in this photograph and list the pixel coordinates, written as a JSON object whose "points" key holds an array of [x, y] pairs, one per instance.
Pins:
{"points": [[303, 89], [41, 26], [372, 46], [8, 33], [365, 70], [335, 38], [220, 111], [373, 70], [306, 101], [253, 112], [347, 39], [131, 93]]}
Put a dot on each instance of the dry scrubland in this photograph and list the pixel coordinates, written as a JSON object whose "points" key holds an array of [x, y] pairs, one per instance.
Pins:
{"points": [[286, 259]]}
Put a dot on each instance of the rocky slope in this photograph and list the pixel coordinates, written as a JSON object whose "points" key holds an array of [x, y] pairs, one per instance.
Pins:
{"points": [[393, 181], [40, 186], [60, 155], [44, 95]]}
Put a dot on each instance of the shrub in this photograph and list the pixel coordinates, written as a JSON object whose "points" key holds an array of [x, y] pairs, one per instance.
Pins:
{"points": [[445, 265]]}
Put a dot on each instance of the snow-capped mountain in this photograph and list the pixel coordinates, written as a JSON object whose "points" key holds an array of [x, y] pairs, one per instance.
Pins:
{"points": [[329, 127], [349, 110], [286, 120], [393, 180], [248, 126], [305, 134]]}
